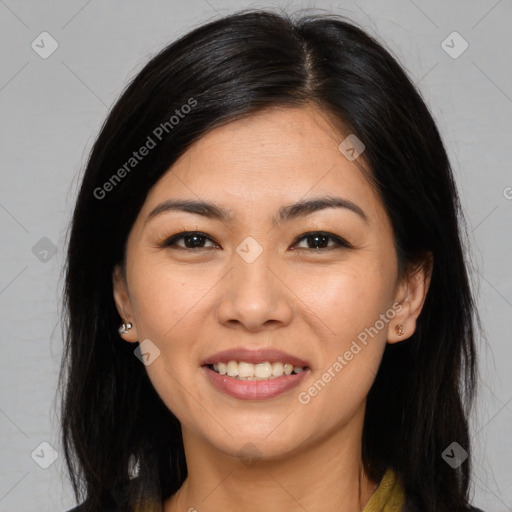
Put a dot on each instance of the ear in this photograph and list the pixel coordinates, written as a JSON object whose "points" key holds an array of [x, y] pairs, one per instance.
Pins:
{"points": [[411, 293], [123, 304]]}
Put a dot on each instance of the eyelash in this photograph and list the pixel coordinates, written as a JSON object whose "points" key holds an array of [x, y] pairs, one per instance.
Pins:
{"points": [[339, 242]]}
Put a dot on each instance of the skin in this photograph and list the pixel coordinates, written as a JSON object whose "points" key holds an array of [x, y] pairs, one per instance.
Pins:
{"points": [[308, 302]]}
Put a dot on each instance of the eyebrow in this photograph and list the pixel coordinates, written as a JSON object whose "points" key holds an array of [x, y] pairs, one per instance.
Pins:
{"points": [[286, 213]]}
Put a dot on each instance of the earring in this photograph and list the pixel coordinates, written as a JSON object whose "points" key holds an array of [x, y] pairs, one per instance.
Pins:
{"points": [[125, 327], [399, 329]]}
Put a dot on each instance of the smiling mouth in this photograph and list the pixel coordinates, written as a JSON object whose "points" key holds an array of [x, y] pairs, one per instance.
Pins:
{"points": [[259, 371]]}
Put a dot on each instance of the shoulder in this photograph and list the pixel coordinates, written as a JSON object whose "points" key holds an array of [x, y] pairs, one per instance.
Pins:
{"points": [[79, 508], [411, 505], [83, 507], [113, 501], [105, 508]]}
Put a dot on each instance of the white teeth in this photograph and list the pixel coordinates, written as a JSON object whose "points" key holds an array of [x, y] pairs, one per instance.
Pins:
{"points": [[263, 370], [245, 369], [277, 369], [232, 368], [258, 371]]}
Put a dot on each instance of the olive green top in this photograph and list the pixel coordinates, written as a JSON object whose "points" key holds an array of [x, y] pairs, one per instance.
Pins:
{"points": [[389, 495]]}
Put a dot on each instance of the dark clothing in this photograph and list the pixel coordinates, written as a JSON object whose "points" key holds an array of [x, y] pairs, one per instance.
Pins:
{"points": [[116, 502], [116, 505]]}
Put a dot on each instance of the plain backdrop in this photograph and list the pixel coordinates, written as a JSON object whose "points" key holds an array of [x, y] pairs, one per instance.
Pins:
{"points": [[52, 109]]}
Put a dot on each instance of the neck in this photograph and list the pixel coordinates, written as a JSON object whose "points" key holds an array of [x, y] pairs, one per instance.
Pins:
{"points": [[326, 476]]}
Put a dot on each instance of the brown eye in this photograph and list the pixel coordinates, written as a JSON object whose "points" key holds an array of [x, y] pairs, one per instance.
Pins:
{"points": [[191, 240], [320, 240]]}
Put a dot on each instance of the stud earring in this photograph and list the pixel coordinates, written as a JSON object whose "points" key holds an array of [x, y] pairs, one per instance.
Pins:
{"points": [[125, 328], [399, 329]]}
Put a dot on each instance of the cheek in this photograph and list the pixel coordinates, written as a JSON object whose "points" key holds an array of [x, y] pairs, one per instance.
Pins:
{"points": [[166, 299], [351, 303], [166, 307], [349, 298]]}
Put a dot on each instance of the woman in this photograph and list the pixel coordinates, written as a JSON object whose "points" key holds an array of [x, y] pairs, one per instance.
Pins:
{"points": [[268, 304]]}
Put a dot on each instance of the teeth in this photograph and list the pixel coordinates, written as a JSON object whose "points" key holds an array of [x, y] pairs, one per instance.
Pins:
{"points": [[277, 369], [232, 368], [258, 371], [263, 370], [245, 370]]}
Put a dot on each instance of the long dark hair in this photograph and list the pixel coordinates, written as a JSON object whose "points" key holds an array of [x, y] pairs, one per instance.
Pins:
{"points": [[225, 70]]}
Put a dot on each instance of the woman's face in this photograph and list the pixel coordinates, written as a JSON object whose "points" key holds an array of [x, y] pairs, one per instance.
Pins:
{"points": [[254, 279]]}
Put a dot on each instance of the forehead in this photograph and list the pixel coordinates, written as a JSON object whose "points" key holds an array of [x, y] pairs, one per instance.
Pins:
{"points": [[275, 156], [276, 138]]}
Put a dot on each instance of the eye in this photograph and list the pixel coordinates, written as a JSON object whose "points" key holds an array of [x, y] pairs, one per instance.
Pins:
{"points": [[191, 240], [196, 240], [319, 240]]}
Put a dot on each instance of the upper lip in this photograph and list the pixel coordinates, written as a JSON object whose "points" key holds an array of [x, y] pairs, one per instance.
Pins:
{"points": [[254, 356]]}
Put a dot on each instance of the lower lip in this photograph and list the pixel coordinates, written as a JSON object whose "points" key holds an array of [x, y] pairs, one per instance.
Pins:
{"points": [[254, 389]]}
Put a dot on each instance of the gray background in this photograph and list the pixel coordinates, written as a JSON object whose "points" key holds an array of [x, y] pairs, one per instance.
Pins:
{"points": [[53, 108]]}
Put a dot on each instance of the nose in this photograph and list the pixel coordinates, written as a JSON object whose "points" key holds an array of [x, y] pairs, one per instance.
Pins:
{"points": [[254, 296]]}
